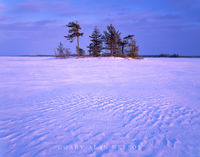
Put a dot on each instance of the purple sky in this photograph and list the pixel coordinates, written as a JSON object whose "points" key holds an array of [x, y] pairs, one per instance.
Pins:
{"points": [[30, 27]]}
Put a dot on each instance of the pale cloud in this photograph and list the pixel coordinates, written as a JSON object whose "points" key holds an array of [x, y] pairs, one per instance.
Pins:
{"points": [[2, 17], [2, 5], [27, 7]]}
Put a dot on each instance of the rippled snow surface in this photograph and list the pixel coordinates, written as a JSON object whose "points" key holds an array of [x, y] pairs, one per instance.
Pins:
{"points": [[99, 107]]}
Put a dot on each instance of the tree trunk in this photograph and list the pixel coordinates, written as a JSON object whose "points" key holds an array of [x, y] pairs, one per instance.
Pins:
{"points": [[55, 53], [111, 50], [123, 51], [78, 50]]}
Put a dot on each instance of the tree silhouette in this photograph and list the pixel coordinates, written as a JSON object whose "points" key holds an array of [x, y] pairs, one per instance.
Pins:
{"points": [[73, 31], [95, 47], [123, 43], [132, 47], [111, 39], [61, 50]]}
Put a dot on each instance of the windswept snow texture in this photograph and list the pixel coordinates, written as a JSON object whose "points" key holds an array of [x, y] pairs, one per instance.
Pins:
{"points": [[99, 107]]}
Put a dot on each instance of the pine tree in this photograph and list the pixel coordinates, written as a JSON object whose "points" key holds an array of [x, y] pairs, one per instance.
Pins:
{"points": [[61, 50], [73, 31], [132, 47], [95, 46], [111, 39], [123, 44], [90, 49]]}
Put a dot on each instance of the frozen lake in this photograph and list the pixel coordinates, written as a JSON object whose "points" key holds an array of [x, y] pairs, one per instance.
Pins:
{"points": [[99, 107]]}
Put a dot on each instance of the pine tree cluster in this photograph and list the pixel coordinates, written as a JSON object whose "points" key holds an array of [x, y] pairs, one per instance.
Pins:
{"points": [[109, 43]]}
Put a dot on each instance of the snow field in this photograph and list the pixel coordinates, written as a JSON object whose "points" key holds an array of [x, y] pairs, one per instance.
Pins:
{"points": [[99, 107]]}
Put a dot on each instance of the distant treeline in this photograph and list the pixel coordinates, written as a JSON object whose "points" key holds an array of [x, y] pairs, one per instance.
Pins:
{"points": [[163, 55], [169, 56], [109, 43]]}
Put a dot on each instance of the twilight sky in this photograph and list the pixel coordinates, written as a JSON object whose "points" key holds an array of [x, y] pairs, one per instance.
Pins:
{"points": [[30, 27]]}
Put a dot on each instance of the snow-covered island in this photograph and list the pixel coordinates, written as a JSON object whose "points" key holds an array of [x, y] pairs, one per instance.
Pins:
{"points": [[102, 106]]}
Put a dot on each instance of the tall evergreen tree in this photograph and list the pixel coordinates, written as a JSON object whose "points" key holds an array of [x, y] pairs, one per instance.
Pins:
{"points": [[90, 49], [74, 32], [111, 39], [95, 46]]}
